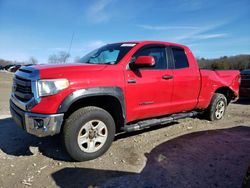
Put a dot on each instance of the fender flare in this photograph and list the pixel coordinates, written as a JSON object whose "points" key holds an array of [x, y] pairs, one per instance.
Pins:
{"points": [[92, 92]]}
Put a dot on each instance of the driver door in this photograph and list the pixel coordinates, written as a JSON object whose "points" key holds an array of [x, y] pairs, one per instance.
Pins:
{"points": [[149, 89]]}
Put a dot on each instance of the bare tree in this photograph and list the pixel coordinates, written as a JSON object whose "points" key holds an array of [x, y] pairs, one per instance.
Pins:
{"points": [[32, 60], [53, 59], [60, 57], [77, 59]]}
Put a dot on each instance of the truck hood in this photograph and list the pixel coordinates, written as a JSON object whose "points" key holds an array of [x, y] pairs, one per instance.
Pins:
{"points": [[61, 70]]}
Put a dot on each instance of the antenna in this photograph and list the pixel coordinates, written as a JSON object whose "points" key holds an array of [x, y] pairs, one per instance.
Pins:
{"points": [[73, 34]]}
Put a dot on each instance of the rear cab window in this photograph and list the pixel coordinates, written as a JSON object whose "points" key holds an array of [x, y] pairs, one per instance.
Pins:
{"points": [[179, 58]]}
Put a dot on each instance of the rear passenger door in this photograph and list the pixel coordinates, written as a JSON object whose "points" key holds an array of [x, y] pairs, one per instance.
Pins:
{"points": [[186, 80]]}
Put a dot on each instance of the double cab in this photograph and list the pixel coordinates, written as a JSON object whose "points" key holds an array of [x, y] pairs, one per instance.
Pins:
{"points": [[117, 88]]}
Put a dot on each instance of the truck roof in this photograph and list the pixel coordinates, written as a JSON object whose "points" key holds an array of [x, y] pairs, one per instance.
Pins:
{"points": [[153, 42]]}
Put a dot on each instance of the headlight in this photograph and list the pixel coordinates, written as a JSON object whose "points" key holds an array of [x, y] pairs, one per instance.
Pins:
{"points": [[51, 86]]}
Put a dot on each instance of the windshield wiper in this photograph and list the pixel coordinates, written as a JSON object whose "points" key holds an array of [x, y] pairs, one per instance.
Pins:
{"points": [[103, 63], [110, 63]]}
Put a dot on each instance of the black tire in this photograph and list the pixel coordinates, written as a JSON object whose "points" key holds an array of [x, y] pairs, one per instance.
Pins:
{"points": [[217, 107], [81, 120]]}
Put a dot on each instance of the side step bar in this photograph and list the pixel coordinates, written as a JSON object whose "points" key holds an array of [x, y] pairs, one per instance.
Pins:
{"points": [[153, 122]]}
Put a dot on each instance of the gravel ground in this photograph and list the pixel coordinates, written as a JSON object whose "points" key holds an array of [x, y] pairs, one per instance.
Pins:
{"points": [[189, 153]]}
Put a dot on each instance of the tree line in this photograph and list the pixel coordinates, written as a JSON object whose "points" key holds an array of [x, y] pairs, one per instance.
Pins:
{"points": [[31, 60], [238, 62], [56, 58]]}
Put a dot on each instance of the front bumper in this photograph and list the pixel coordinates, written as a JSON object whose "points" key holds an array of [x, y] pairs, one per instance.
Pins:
{"points": [[37, 124]]}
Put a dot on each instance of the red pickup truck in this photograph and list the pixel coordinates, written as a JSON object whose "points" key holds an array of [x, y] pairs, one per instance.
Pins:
{"points": [[117, 88]]}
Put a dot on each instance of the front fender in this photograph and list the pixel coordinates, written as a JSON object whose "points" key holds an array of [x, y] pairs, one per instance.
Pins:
{"points": [[91, 92]]}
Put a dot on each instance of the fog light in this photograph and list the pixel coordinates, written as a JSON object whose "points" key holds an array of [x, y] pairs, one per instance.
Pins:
{"points": [[38, 123]]}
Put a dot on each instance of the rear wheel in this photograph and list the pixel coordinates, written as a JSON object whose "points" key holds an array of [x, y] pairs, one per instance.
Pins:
{"points": [[88, 133], [217, 108]]}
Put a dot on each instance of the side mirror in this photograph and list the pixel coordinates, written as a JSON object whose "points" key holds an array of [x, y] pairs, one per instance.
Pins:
{"points": [[142, 61]]}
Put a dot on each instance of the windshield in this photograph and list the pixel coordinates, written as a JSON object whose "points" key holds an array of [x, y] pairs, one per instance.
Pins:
{"points": [[108, 54]]}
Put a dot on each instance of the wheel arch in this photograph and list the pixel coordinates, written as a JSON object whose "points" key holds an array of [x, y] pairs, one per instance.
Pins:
{"points": [[227, 92], [110, 99]]}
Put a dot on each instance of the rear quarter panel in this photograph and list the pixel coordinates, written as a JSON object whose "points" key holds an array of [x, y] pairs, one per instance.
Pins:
{"points": [[213, 80]]}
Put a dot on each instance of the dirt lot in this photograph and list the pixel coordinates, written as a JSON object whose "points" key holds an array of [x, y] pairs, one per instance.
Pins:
{"points": [[187, 153]]}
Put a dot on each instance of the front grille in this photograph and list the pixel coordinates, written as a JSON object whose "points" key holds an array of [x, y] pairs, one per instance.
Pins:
{"points": [[24, 70], [22, 89]]}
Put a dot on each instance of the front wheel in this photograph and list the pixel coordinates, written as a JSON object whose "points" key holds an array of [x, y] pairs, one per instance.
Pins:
{"points": [[88, 133], [217, 107]]}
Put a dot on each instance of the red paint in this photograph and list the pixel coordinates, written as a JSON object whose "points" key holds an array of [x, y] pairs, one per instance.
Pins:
{"points": [[151, 95], [145, 60]]}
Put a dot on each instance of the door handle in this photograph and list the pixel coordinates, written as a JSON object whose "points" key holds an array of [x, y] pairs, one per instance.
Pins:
{"points": [[131, 81], [167, 77]]}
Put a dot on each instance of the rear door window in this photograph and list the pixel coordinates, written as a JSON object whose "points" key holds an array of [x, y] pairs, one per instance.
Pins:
{"points": [[180, 58]]}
